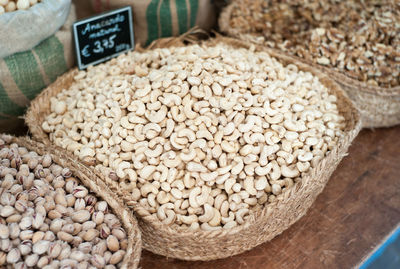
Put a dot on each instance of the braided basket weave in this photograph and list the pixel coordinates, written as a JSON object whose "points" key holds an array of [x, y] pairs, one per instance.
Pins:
{"points": [[262, 225]]}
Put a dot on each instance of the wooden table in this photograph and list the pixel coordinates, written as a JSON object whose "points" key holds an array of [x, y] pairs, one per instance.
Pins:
{"points": [[358, 208]]}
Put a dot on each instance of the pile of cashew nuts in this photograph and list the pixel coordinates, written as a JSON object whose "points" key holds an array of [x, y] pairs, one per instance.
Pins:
{"points": [[199, 136]]}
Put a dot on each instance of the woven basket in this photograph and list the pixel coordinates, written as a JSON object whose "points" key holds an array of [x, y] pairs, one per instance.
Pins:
{"points": [[262, 225], [379, 106], [92, 181]]}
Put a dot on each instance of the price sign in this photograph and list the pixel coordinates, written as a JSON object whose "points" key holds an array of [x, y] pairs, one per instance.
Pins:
{"points": [[102, 37]]}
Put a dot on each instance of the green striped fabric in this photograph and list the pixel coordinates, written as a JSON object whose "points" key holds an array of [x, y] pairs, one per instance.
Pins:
{"points": [[54, 62], [28, 73], [159, 18], [181, 10], [152, 22], [194, 6], [165, 19], [7, 106], [25, 72]]}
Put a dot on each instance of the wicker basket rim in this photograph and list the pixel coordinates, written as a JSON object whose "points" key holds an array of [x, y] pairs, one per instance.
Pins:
{"points": [[352, 117]]}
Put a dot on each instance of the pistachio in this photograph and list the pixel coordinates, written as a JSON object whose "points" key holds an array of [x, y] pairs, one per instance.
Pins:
{"points": [[48, 219], [3, 257], [43, 261], [112, 243], [13, 256], [80, 192], [77, 255], [107, 257], [54, 250], [7, 211], [90, 234], [98, 217], [37, 236], [4, 231], [81, 216], [97, 261], [117, 257], [65, 236], [13, 229], [80, 204], [100, 248], [25, 247], [26, 234], [40, 247], [31, 260], [85, 247]]}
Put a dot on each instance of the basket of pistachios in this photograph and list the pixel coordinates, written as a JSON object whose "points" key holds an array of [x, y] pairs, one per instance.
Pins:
{"points": [[217, 146], [355, 42], [54, 213]]}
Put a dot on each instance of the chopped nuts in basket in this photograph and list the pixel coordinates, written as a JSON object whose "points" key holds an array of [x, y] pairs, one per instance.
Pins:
{"points": [[358, 38]]}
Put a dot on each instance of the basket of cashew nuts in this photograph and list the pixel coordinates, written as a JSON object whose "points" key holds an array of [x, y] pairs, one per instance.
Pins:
{"points": [[55, 213], [217, 146]]}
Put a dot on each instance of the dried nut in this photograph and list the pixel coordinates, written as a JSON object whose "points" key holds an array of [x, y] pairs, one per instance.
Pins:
{"points": [[85, 247], [119, 233], [65, 236], [65, 252], [31, 260], [54, 250], [7, 211], [117, 257], [80, 192], [77, 255], [42, 262], [26, 235], [25, 247], [37, 236], [98, 217], [104, 231], [80, 216], [90, 235], [41, 247], [112, 243], [100, 248], [13, 256], [97, 261], [4, 231]]}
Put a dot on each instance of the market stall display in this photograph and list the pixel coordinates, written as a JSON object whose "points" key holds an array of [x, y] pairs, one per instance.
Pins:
{"points": [[357, 43], [49, 216], [191, 141]]}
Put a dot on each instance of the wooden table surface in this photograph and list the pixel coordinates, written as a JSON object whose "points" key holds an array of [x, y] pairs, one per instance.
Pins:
{"points": [[358, 208]]}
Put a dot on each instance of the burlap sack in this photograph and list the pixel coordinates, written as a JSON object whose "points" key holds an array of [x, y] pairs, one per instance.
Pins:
{"points": [[92, 182], [379, 106], [263, 225], [22, 30], [163, 18], [23, 75]]}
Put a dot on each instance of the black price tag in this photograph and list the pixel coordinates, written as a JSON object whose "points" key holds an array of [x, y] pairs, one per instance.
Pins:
{"points": [[102, 37]]}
